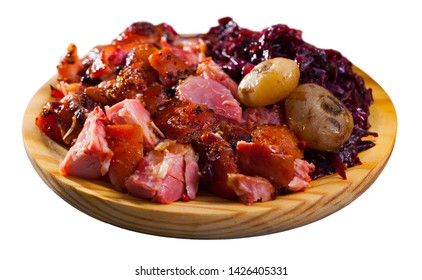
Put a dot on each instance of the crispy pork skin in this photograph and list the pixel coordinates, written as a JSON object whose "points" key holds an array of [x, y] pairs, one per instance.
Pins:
{"points": [[217, 160], [126, 142], [265, 161]]}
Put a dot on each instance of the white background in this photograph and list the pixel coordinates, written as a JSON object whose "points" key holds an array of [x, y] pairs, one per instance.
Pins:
{"points": [[378, 236]]}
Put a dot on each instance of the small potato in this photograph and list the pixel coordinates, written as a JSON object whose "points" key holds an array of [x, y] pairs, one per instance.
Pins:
{"points": [[269, 82], [318, 117]]}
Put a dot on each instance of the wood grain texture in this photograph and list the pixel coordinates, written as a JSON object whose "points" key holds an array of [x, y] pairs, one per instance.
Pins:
{"points": [[211, 217]]}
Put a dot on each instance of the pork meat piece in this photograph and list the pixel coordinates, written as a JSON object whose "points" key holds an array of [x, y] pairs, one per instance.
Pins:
{"points": [[216, 161], [126, 142], [265, 161], [70, 66], [181, 122], [104, 62], [301, 179], [210, 70], [280, 137], [131, 111], [275, 154], [170, 67], [145, 32], [90, 156], [260, 116], [191, 50], [250, 189], [133, 80], [191, 172], [166, 174], [160, 178], [212, 94]]}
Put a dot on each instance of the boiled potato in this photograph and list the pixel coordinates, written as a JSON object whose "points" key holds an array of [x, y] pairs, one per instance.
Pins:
{"points": [[269, 82], [316, 116]]}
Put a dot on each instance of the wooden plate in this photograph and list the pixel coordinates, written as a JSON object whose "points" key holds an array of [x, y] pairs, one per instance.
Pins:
{"points": [[211, 217]]}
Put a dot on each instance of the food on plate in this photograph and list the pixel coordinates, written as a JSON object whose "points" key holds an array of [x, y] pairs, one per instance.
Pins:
{"points": [[246, 115]]}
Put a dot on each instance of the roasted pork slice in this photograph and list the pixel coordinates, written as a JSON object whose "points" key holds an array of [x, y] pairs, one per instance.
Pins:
{"points": [[210, 70], [280, 137], [170, 67], [250, 189], [180, 121], [159, 177], [216, 161], [275, 154], [105, 61], [90, 156], [221, 175], [154, 98], [140, 53], [166, 174], [48, 121], [131, 111], [63, 120], [302, 178], [265, 161], [190, 163], [126, 143], [233, 133], [191, 172], [70, 66], [260, 116], [190, 49], [131, 81], [145, 32], [212, 94], [187, 122]]}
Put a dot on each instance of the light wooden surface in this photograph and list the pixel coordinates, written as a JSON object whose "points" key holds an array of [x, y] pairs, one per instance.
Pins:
{"points": [[211, 217]]}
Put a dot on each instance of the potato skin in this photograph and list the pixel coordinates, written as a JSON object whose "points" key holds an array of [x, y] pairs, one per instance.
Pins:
{"points": [[318, 117], [269, 82]]}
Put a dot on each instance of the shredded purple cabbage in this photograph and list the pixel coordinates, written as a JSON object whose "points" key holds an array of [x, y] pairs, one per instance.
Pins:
{"points": [[237, 50]]}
